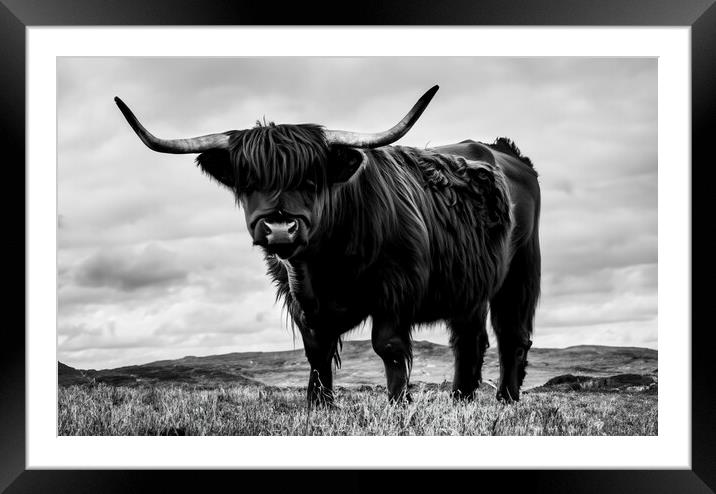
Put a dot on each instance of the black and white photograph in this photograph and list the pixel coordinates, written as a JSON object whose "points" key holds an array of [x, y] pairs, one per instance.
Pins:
{"points": [[357, 246]]}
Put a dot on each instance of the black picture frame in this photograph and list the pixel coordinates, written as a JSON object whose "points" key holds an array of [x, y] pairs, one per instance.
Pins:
{"points": [[700, 15]]}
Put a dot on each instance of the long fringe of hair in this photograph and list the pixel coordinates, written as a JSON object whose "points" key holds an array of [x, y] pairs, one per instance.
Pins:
{"points": [[276, 158]]}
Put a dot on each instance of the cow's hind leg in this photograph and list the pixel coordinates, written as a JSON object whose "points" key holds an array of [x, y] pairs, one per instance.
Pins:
{"points": [[391, 342], [468, 340], [512, 312], [320, 351]]}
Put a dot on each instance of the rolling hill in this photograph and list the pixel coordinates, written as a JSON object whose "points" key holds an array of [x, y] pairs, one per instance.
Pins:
{"points": [[361, 366]]}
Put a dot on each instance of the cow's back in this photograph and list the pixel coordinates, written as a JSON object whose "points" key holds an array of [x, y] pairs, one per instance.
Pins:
{"points": [[521, 179]]}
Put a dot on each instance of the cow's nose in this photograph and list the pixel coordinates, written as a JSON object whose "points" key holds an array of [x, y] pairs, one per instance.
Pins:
{"points": [[283, 232]]}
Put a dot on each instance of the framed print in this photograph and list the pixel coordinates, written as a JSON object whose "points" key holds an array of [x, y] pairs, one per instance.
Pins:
{"points": [[361, 293]]}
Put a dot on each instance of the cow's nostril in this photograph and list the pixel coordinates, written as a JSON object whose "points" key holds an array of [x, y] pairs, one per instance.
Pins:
{"points": [[292, 226]]}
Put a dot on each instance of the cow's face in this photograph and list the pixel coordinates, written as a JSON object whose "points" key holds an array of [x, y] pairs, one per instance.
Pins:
{"points": [[283, 221], [283, 190]]}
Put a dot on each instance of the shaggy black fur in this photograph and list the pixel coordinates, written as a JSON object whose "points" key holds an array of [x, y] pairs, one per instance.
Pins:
{"points": [[505, 145], [275, 158], [413, 237]]}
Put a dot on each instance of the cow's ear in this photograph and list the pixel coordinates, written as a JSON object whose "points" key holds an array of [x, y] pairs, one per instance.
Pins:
{"points": [[217, 164], [344, 163]]}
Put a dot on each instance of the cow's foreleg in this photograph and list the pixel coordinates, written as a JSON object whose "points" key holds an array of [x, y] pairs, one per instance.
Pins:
{"points": [[392, 343], [320, 352]]}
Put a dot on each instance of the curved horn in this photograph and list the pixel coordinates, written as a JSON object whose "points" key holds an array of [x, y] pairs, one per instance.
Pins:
{"points": [[175, 146], [360, 140]]}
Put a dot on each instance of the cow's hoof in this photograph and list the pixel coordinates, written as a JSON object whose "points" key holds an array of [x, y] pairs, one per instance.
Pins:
{"points": [[460, 395], [322, 405], [401, 399], [507, 397], [321, 400]]}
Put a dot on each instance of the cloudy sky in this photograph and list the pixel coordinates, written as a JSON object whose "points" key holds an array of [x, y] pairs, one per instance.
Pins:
{"points": [[154, 260]]}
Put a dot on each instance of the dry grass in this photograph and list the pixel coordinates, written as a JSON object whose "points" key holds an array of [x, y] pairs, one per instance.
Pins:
{"points": [[258, 410]]}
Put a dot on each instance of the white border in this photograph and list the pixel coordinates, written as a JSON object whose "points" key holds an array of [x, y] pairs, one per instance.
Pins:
{"points": [[671, 449]]}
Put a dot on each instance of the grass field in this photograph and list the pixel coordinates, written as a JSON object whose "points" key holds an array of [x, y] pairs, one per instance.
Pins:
{"points": [[254, 410]]}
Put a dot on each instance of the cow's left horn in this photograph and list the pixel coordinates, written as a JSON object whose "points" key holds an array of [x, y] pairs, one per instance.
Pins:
{"points": [[359, 140], [176, 146]]}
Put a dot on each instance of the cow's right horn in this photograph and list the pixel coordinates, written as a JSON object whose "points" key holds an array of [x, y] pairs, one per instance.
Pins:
{"points": [[175, 146], [359, 140]]}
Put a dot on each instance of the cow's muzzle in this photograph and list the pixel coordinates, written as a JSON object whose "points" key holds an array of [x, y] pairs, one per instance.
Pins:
{"points": [[283, 232], [282, 236]]}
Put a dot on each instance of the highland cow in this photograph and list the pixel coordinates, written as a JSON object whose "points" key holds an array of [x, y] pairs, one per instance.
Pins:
{"points": [[353, 228]]}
